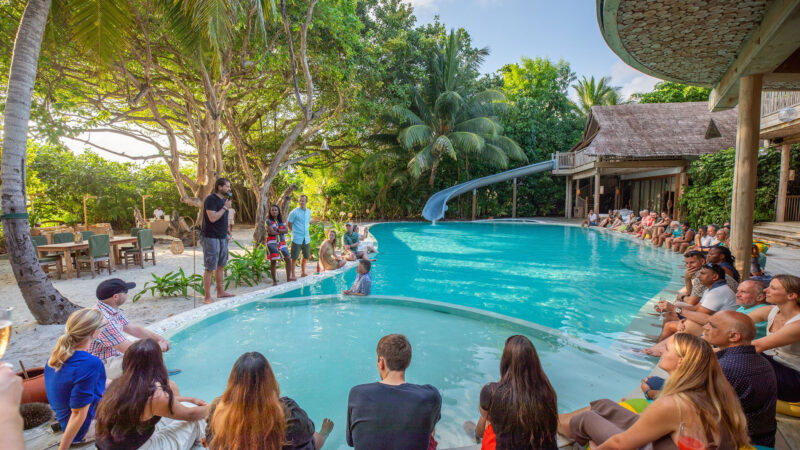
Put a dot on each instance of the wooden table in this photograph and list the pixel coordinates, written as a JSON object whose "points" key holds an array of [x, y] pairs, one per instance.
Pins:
{"points": [[68, 248]]}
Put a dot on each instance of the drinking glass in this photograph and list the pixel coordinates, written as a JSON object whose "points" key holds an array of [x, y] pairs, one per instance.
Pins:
{"points": [[691, 437], [5, 329]]}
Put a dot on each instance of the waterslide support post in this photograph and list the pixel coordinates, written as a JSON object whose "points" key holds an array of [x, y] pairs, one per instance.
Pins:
{"points": [[568, 200], [514, 201], [474, 203]]}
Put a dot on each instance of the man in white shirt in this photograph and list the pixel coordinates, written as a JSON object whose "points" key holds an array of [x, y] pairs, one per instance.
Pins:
{"points": [[158, 213], [691, 318]]}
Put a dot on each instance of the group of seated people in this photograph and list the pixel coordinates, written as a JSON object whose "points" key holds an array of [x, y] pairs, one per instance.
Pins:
{"points": [[354, 249]]}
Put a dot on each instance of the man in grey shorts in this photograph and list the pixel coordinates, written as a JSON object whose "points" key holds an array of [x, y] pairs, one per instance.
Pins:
{"points": [[214, 237], [299, 222]]}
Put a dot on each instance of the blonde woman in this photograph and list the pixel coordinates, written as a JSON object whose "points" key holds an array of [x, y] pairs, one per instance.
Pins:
{"points": [[75, 379], [696, 394], [328, 257]]}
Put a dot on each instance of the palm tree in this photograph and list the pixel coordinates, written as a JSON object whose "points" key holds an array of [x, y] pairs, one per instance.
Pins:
{"points": [[100, 26], [591, 93], [448, 121]]}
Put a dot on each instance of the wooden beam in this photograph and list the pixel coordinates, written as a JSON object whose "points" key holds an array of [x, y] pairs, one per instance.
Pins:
{"points": [[642, 163], [783, 184], [597, 193], [775, 39], [745, 172]]}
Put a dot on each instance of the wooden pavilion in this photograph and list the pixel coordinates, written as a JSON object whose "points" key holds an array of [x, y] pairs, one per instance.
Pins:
{"points": [[636, 156], [736, 47]]}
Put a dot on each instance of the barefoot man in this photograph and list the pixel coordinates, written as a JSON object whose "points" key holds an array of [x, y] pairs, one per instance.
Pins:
{"points": [[299, 222], [214, 237]]}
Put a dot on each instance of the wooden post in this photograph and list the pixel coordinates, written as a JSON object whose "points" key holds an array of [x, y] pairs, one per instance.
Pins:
{"points": [[568, 200], [474, 202], [144, 210], [746, 172], [597, 193], [783, 184], [514, 201], [85, 219]]}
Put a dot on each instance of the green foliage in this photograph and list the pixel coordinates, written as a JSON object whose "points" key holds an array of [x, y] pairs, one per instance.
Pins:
{"points": [[247, 267], [172, 284], [65, 178], [670, 92], [708, 198], [591, 93]]}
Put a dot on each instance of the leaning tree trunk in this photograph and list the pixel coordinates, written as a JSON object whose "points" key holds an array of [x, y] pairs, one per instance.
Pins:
{"points": [[46, 304]]}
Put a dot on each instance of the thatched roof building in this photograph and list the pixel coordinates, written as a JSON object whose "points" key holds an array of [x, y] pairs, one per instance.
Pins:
{"points": [[657, 130]]}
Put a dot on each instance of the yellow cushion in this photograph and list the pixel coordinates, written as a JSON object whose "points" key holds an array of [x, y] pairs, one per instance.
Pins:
{"points": [[790, 409]]}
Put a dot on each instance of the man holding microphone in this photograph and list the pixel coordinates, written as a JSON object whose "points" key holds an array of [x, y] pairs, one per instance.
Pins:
{"points": [[214, 237]]}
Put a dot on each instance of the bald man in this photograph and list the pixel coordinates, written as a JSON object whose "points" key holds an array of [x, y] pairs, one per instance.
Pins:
{"points": [[749, 373]]}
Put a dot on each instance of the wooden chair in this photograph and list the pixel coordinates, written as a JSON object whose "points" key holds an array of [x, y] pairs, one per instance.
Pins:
{"points": [[146, 245], [47, 261], [99, 252], [63, 238]]}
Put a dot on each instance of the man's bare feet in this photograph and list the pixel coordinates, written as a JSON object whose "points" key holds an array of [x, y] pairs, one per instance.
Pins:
{"points": [[291, 279], [303, 275], [274, 283], [208, 300], [224, 294]]}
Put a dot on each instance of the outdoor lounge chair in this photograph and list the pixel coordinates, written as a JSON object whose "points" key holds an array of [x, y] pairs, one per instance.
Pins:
{"points": [[146, 245], [99, 252], [47, 261]]}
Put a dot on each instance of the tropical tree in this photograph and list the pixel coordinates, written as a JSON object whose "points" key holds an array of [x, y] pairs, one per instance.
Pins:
{"points": [[591, 93], [445, 120], [671, 92]]}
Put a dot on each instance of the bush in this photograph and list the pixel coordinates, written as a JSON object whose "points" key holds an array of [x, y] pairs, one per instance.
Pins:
{"points": [[248, 267], [172, 284]]}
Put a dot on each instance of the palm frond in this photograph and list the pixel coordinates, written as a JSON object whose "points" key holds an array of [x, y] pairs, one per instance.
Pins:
{"points": [[442, 145], [421, 161], [415, 135], [403, 116], [466, 143], [481, 125], [447, 106], [509, 146], [99, 25], [495, 156]]}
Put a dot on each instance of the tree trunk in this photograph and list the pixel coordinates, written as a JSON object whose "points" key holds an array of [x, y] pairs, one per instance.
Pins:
{"points": [[46, 304]]}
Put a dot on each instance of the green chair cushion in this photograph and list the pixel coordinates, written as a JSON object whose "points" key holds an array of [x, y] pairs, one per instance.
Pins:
{"points": [[45, 259]]}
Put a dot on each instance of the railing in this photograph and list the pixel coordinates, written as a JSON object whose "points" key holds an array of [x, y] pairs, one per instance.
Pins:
{"points": [[571, 160], [792, 211], [772, 101]]}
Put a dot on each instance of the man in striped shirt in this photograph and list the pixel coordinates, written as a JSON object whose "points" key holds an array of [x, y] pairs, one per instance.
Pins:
{"points": [[112, 343]]}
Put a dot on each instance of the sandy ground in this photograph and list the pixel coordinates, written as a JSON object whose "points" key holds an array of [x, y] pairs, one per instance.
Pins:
{"points": [[32, 343]]}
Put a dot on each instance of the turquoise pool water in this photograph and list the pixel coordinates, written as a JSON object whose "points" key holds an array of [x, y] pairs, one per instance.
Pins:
{"points": [[320, 349], [581, 288], [583, 282]]}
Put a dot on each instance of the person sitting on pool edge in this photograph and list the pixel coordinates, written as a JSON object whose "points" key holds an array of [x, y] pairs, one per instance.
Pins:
{"points": [[590, 220], [351, 240], [328, 258], [750, 296], [111, 343], [748, 372], [392, 414], [518, 412], [694, 289], [781, 346], [363, 283], [696, 394], [686, 318], [682, 243], [279, 422]]}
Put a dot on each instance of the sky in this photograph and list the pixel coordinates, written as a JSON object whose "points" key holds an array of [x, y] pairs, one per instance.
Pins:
{"points": [[555, 29]]}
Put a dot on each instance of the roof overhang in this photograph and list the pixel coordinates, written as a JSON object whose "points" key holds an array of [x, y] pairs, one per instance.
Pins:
{"points": [[709, 44]]}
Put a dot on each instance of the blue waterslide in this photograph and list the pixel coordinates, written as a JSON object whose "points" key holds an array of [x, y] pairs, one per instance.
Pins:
{"points": [[437, 203]]}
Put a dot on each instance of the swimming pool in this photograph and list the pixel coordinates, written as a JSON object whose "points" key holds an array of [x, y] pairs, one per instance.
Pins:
{"points": [[584, 282], [319, 348], [573, 291]]}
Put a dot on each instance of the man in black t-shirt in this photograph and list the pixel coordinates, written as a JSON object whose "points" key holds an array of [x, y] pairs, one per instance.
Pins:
{"points": [[393, 414], [214, 237]]}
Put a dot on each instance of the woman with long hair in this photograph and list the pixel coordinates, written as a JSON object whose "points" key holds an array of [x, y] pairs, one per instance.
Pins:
{"points": [[251, 413], [144, 409], [782, 343], [696, 396], [520, 411], [276, 242], [328, 257], [75, 379]]}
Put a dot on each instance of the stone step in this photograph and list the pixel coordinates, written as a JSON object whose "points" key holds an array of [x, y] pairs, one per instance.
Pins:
{"points": [[777, 234], [777, 229], [779, 241], [793, 226]]}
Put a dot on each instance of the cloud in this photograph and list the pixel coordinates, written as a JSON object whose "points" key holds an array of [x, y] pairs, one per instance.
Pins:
{"points": [[631, 80]]}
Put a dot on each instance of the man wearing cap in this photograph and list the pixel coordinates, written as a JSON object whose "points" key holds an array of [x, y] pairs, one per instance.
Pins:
{"points": [[350, 241], [111, 343]]}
